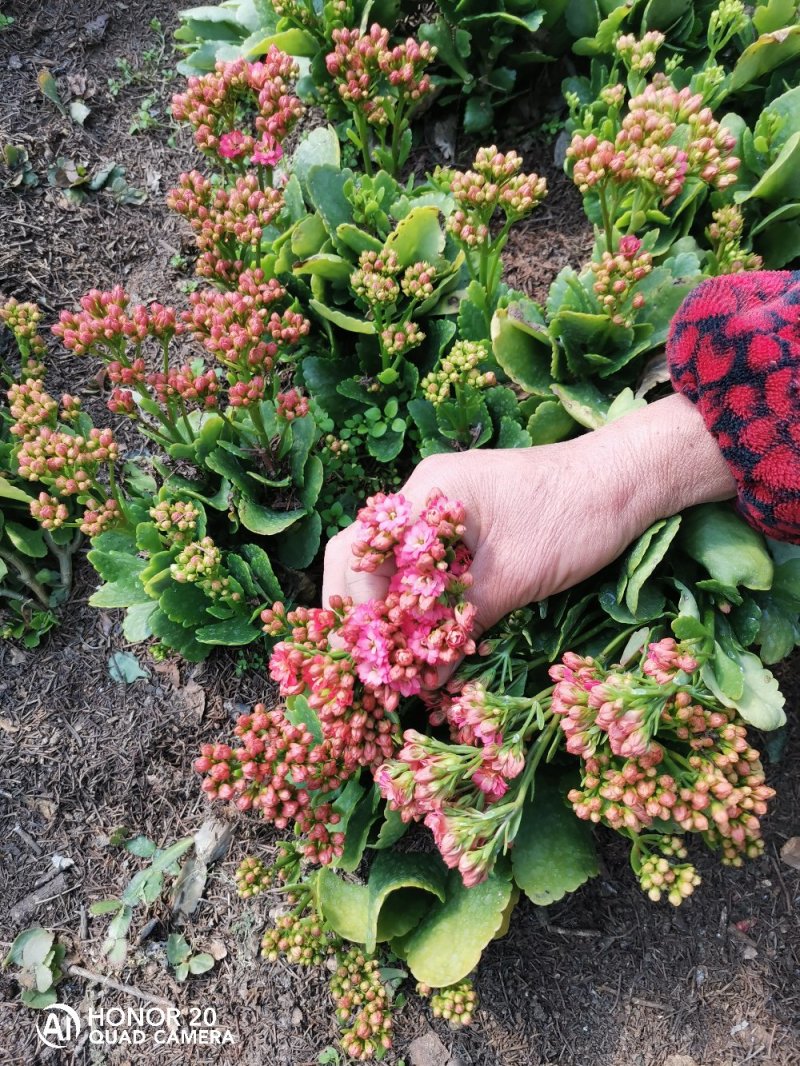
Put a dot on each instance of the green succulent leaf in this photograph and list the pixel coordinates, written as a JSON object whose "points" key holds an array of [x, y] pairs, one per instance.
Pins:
{"points": [[732, 552]]}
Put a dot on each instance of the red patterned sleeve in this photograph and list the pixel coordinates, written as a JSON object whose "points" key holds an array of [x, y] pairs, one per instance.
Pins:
{"points": [[734, 351]]}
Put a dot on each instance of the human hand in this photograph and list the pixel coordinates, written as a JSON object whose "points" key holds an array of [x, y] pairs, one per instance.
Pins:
{"points": [[540, 520]]}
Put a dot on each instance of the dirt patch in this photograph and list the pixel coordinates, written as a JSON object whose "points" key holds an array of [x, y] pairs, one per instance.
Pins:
{"points": [[601, 979]]}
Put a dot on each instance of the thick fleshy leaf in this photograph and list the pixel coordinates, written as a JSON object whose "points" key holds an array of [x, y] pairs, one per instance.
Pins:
{"points": [[553, 853], [417, 237], [356, 828], [550, 422], [262, 571], [27, 541], [136, 626], [339, 318], [768, 52], [235, 633], [264, 520], [319, 147], [401, 888], [523, 349], [392, 829], [448, 943], [343, 905], [730, 550]]}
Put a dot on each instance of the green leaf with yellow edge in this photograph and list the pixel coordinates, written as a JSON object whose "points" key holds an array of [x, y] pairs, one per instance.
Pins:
{"points": [[401, 889], [342, 904], [553, 852], [523, 350], [417, 237], [448, 942], [771, 50]]}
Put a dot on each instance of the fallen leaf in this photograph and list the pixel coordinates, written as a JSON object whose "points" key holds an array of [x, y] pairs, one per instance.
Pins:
{"points": [[194, 697], [212, 840], [790, 852], [217, 950], [49, 89], [8, 726], [169, 670], [79, 112], [124, 668], [189, 886], [95, 29], [428, 1050]]}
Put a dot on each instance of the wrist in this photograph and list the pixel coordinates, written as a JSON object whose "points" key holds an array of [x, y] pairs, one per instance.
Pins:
{"points": [[663, 459]]}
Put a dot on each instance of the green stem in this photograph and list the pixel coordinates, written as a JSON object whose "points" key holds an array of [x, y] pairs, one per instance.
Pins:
{"points": [[606, 215], [363, 136], [25, 574]]}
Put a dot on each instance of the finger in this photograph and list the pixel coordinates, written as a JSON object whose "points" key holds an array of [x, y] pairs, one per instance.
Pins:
{"points": [[362, 586], [338, 555]]}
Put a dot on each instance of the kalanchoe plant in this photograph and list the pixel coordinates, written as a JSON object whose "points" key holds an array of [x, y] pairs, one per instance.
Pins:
{"points": [[43, 510], [381, 86]]}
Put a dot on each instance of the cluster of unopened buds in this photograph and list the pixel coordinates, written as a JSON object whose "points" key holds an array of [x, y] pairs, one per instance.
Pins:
{"points": [[31, 407], [23, 321], [291, 405], [642, 151], [362, 1005], [191, 386], [108, 321], [725, 235], [658, 876], [252, 877], [372, 76], [279, 770], [176, 520], [227, 221], [374, 278], [200, 563], [242, 110], [616, 276], [657, 746], [639, 55], [49, 512], [300, 940], [456, 1004], [100, 516], [495, 180], [399, 339], [246, 328], [70, 463], [458, 369]]}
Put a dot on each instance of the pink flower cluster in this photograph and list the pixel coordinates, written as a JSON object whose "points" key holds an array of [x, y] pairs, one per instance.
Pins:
{"points": [[702, 773], [373, 77], [31, 407], [275, 769], [191, 387], [616, 276], [176, 520], [363, 1005], [242, 109], [242, 328], [641, 153], [48, 512], [107, 321], [70, 463], [100, 516], [639, 55]]}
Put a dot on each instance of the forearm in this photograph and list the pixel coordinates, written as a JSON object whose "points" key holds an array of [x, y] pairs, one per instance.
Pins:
{"points": [[662, 459]]}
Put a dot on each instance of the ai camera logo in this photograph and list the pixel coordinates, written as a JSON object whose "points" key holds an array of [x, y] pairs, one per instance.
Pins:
{"points": [[61, 1026]]}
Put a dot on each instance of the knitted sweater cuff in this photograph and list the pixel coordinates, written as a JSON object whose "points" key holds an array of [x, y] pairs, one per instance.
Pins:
{"points": [[734, 351]]}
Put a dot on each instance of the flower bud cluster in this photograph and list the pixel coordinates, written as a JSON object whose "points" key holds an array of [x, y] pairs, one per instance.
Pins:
{"points": [[23, 321], [363, 1007], [247, 328], [725, 235], [616, 277], [48, 512], [399, 339], [701, 773], [100, 516], [200, 563], [301, 941], [457, 370], [641, 152], [279, 770], [657, 875], [291, 405], [456, 1003], [69, 463], [176, 520], [495, 180], [226, 220], [191, 386], [252, 878], [639, 55], [242, 109], [108, 322], [31, 407], [374, 78]]}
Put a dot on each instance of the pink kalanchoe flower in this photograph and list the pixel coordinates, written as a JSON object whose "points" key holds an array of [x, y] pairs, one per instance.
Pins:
{"points": [[267, 152], [233, 145]]}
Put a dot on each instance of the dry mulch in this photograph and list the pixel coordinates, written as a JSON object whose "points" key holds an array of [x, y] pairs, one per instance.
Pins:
{"points": [[601, 979]]}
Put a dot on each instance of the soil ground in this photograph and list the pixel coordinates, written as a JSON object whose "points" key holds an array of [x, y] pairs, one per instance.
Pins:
{"points": [[603, 978]]}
